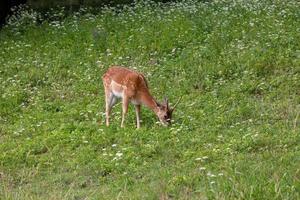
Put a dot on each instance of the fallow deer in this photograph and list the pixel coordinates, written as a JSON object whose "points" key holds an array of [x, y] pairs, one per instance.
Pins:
{"points": [[131, 86]]}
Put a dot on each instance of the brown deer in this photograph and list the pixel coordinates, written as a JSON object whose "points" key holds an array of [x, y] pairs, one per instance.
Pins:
{"points": [[131, 86]]}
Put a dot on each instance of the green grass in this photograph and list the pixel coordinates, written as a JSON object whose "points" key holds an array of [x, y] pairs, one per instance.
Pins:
{"points": [[235, 135]]}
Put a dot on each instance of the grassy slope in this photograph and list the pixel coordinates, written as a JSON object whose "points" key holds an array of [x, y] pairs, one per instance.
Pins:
{"points": [[236, 132]]}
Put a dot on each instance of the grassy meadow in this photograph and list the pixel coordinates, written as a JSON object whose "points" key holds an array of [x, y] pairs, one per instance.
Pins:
{"points": [[236, 132]]}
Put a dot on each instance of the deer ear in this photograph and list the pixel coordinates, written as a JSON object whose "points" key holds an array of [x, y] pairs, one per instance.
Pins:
{"points": [[158, 104]]}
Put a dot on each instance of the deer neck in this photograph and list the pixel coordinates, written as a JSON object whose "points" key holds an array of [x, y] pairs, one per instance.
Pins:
{"points": [[150, 102]]}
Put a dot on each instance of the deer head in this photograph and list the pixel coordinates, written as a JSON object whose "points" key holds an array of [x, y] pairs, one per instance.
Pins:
{"points": [[165, 112]]}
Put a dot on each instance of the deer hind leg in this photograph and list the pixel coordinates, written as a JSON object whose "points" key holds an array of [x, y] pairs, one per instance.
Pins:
{"points": [[125, 103], [110, 101], [137, 112]]}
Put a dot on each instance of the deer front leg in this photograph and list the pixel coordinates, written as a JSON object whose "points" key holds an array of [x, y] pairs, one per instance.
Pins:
{"points": [[124, 109], [137, 112]]}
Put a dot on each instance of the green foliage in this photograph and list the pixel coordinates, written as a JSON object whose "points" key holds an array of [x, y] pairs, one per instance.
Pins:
{"points": [[235, 133]]}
